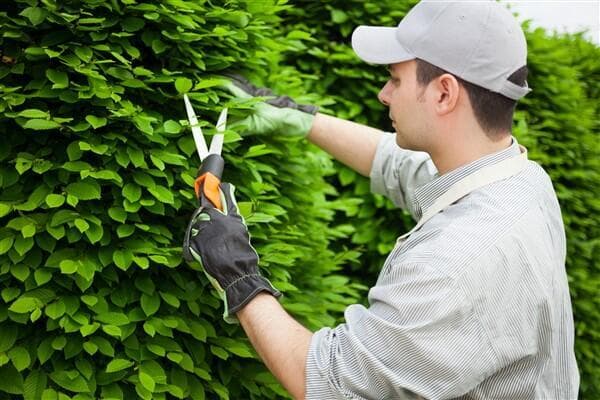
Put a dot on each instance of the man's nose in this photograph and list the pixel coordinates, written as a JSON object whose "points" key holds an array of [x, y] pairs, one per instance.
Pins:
{"points": [[384, 94]]}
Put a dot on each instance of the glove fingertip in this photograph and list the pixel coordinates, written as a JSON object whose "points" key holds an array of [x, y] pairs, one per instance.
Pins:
{"points": [[307, 108], [236, 91], [228, 192]]}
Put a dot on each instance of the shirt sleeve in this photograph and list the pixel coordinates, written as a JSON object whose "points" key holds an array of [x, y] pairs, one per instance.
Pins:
{"points": [[397, 172], [419, 338]]}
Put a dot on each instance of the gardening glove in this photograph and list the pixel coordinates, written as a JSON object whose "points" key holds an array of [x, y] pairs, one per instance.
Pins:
{"points": [[279, 114], [220, 242]]}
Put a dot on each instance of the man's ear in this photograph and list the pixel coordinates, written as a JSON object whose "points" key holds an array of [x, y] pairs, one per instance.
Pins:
{"points": [[446, 93]]}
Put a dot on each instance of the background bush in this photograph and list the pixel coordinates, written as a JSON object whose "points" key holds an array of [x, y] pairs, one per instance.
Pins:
{"points": [[96, 168], [350, 88]]}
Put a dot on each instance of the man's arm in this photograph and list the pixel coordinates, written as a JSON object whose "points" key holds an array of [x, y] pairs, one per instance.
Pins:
{"points": [[350, 143], [281, 342]]}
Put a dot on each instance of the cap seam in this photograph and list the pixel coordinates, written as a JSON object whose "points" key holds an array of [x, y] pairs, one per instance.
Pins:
{"points": [[476, 47], [434, 19]]}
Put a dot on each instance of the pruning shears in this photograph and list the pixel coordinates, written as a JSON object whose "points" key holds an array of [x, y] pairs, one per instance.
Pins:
{"points": [[207, 184]]}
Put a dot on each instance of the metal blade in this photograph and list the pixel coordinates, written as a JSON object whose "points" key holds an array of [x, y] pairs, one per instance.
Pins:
{"points": [[216, 146], [196, 130]]}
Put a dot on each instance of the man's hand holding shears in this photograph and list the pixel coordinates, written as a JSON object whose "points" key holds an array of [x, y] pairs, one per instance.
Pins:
{"points": [[217, 236]]}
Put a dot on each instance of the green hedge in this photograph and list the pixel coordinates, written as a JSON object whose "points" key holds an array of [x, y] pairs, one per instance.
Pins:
{"points": [[559, 123], [96, 175], [96, 167], [350, 88]]}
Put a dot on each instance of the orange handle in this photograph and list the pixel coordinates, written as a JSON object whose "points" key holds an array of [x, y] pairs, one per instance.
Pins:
{"points": [[207, 188]]}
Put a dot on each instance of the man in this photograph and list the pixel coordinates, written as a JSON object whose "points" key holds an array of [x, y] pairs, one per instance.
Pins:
{"points": [[474, 301]]}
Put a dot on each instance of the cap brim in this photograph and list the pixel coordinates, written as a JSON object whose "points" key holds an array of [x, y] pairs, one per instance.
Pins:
{"points": [[379, 45]]}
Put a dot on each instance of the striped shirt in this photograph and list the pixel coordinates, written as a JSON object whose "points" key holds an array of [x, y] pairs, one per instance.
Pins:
{"points": [[473, 305]]}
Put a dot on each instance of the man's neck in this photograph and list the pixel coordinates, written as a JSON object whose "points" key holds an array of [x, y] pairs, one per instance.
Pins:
{"points": [[457, 154]]}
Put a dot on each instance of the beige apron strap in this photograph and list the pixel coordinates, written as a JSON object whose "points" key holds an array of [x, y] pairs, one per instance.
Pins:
{"points": [[490, 174]]}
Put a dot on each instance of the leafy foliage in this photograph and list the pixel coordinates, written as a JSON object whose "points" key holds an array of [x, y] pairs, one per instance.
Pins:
{"points": [[97, 167], [351, 87]]}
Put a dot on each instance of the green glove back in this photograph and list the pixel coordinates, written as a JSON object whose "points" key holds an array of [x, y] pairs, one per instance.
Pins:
{"points": [[279, 114]]}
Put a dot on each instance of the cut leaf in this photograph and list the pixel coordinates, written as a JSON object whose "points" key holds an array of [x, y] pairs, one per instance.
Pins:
{"points": [[183, 85], [41, 124]]}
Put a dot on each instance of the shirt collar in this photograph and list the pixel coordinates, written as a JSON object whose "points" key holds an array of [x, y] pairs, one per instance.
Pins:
{"points": [[427, 194]]}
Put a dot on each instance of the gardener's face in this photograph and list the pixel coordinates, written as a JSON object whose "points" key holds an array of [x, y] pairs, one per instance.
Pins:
{"points": [[407, 106]]}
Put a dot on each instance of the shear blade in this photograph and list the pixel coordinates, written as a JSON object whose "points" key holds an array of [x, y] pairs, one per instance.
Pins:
{"points": [[196, 130], [216, 146]]}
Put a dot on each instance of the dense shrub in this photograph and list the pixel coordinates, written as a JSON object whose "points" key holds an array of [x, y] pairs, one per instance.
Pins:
{"points": [[350, 87], [96, 180]]}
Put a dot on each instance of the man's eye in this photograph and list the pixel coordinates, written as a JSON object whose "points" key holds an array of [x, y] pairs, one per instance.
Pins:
{"points": [[395, 81]]}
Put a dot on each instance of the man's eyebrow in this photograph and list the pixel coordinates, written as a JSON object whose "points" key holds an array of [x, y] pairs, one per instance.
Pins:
{"points": [[391, 72]]}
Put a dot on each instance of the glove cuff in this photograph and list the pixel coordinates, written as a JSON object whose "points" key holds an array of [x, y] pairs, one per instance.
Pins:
{"points": [[244, 289]]}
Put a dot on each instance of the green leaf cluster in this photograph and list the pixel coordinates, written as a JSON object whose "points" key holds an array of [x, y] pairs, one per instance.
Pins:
{"points": [[349, 89], [97, 165], [558, 122]]}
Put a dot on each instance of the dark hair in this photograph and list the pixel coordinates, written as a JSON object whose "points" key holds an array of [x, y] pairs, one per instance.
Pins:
{"points": [[493, 111]]}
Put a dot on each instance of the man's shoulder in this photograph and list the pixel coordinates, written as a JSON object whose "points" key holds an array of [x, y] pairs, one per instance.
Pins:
{"points": [[511, 210]]}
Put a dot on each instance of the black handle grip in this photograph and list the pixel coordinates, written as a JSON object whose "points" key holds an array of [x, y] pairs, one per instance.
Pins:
{"points": [[214, 164]]}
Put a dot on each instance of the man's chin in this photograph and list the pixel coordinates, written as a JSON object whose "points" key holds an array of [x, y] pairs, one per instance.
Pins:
{"points": [[402, 143], [399, 141]]}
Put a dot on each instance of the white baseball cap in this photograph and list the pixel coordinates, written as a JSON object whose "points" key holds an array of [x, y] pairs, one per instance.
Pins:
{"points": [[478, 41]]}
